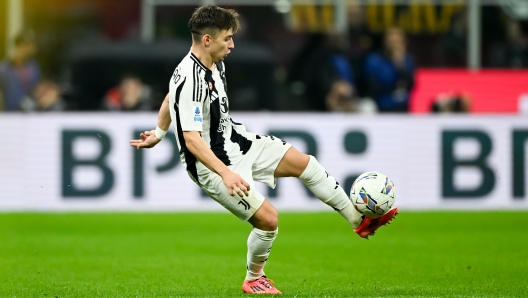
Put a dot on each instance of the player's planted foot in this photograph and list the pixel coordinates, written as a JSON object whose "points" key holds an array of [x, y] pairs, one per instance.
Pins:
{"points": [[262, 285], [371, 224]]}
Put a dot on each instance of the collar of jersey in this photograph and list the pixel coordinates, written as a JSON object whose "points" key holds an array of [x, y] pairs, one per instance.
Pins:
{"points": [[199, 62]]}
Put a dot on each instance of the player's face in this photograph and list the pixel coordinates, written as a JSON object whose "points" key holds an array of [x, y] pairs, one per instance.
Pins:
{"points": [[221, 45]]}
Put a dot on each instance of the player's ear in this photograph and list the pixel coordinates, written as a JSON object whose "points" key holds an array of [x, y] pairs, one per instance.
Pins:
{"points": [[206, 39]]}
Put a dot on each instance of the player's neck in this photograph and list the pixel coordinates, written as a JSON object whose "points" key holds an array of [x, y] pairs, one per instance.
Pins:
{"points": [[204, 57]]}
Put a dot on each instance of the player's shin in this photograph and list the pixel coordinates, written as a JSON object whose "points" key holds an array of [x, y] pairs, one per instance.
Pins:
{"points": [[259, 247], [328, 190]]}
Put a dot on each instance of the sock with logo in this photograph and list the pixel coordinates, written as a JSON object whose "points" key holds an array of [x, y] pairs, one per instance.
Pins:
{"points": [[328, 190], [259, 247]]}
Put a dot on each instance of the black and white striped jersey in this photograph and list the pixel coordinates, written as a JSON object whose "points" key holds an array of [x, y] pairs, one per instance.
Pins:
{"points": [[198, 102]]}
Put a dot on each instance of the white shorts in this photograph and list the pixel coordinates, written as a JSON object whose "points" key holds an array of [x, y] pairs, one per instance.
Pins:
{"points": [[258, 164]]}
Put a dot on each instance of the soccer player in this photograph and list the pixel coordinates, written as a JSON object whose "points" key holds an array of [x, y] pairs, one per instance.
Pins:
{"points": [[224, 159]]}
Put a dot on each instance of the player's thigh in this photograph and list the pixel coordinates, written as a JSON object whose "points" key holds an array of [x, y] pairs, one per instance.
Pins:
{"points": [[292, 164], [243, 207]]}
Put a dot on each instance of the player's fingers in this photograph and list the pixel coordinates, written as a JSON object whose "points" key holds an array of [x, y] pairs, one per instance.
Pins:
{"points": [[238, 191], [244, 190], [144, 145], [246, 185]]}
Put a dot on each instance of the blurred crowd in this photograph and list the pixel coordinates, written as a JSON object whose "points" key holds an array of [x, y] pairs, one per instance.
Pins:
{"points": [[357, 71], [333, 77], [22, 88]]}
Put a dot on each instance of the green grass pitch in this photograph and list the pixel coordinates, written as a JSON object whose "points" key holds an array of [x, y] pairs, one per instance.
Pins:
{"points": [[422, 254]]}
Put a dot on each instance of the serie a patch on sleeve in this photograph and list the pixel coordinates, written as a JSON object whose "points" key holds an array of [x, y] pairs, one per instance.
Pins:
{"points": [[198, 114]]}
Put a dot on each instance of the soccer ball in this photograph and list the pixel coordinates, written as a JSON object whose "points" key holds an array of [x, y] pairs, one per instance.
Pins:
{"points": [[372, 194]]}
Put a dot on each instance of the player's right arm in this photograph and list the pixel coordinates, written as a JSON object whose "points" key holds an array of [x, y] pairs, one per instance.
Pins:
{"points": [[202, 152]]}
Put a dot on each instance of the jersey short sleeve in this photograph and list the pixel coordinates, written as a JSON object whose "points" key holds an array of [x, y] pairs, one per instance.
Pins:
{"points": [[189, 89]]}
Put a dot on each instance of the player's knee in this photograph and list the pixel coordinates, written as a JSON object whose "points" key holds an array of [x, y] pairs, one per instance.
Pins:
{"points": [[273, 222], [269, 225], [270, 221], [266, 221], [266, 218]]}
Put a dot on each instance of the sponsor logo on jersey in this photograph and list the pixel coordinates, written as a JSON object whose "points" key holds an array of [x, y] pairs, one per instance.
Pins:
{"points": [[198, 114], [214, 96], [222, 126]]}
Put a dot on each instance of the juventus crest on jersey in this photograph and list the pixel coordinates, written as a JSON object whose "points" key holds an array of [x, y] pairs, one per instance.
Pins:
{"points": [[198, 102]]}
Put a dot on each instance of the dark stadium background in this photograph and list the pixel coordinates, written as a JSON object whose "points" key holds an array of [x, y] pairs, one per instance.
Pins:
{"points": [[79, 40]]}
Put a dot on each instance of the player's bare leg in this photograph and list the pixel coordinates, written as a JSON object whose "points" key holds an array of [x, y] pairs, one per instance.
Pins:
{"points": [[266, 218], [292, 164], [320, 183], [265, 228]]}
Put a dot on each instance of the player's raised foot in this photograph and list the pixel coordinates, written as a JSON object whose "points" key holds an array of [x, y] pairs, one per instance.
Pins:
{"points": [[262, 285], [370, 224]]}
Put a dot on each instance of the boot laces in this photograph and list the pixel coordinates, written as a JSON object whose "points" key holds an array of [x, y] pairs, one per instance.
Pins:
{"points": [[268, 283]]}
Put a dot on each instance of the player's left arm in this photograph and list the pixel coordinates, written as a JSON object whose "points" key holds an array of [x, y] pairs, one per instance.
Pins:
{"points": [[150, 138]]}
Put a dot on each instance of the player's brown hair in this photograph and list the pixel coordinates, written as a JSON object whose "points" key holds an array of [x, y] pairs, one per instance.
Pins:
{"points": [[211, 19]]}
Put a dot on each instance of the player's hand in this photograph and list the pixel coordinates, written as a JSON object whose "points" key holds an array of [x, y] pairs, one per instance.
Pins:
{"points": [[147, 139], [235, 184]]}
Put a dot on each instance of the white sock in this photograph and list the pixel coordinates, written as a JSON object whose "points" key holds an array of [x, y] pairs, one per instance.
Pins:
{"points": [[352, 215], [259, 247], [328, 190]]}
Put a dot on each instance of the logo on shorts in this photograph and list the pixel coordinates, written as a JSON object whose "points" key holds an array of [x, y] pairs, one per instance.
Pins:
{"points": [[245, 204], [197, 114]]}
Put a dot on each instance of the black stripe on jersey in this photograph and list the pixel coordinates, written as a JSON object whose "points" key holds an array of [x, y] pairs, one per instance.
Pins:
{"points": [[204, 90], [190, 159], [200, 86], [236, 123], [199, 71], [216, 134], [244, 143], [195, 70], [220, 67], [195, 59]]}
